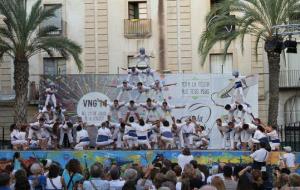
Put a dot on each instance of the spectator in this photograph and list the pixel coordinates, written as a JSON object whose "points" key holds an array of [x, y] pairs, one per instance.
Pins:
{"points": [[96, 182], [260, 156], [185, 157], [289, 158], [244, 183], [130, 176], [229, 183], [295, 180], [4, 181], [115, 183], [37, 180], [218, 183], [208, 187], [54, 180], [21, 181], [257, 182], [72, 175]]}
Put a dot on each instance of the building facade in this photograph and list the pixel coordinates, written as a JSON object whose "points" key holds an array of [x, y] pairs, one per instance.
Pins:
{"points": [[112, 31]]}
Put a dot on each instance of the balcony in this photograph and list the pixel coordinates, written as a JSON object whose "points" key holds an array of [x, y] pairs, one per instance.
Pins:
{"points": [[289, 79], [137, 28]]}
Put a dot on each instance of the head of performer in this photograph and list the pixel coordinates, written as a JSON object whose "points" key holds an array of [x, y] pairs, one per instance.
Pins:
{"points": [[194, 118], [231, 124], [235, 74], [219, 122], [260, 128], [165, 104], [125, 83], [141, 122], [52, 85], [166, 123], [157, 83], [131, 103], [242, 107], [41, 121], [103, 125], [270, 128], [116, 102], [245, 126], [149, 102], [133, 69], [79, 128], [139, 85], [131, 119], [142, 51], [48, 108]]}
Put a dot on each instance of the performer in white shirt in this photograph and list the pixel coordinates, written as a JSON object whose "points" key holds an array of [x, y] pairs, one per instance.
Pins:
{"points": [[245, 108], [258, 135], [157, 88], [142, 133], [289, 159], [188, 130], [125, 89], [143, 60], [273, 137], [231, 108], [238, 87], [200, 138], [36, 130], [177, 132], [50, 94], [148, 75], [114, 110], [104, 137], [133, 75], [82, 138], [166, 135], [66, 128], [48, 113], [130, 136], [132, 110], [166, 110], [17, 138], [223, 128], [151, 108], [248, 130], [142, 92]]}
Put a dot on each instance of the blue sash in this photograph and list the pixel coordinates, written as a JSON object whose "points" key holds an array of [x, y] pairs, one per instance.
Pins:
{"points": [[142, 137], [150, 133], [102, 138], [275, 141], [85, 139], [167, 134], [238, 84], [132, 133]]}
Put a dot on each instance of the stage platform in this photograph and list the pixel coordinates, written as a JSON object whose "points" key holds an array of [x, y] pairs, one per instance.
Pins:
{"points": [[207, 157]]}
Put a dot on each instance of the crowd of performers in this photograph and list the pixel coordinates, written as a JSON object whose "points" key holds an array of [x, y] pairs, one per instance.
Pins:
{"points": [[156, 128]]}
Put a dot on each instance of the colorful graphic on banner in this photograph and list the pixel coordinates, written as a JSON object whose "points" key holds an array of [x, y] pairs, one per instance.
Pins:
{"points": [[203, 95], [144, 158]]}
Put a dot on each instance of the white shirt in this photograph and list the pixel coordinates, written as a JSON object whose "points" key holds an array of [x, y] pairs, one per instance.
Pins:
{"points": [[260, 155], [104, 131], [273, 135], [183, 160], [142, 130], [188, 128], [81, 135], [258, 135], [224, 127], [289, 159], [56, 181], [125, 88], [116, 184], [15, 135]]}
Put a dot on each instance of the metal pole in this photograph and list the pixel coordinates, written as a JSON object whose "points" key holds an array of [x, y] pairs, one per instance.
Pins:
{"points": [[178, 36]]}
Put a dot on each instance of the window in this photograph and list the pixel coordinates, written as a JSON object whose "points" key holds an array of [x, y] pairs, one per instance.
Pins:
{"points": [[131, 61], [218, 65], [293, 59], [137, 10], [292, 110], [54, 66], [56, 20]]}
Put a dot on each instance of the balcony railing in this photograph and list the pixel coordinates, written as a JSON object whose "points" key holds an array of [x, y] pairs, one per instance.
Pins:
{"points": [[289, 79], [137, 28]]}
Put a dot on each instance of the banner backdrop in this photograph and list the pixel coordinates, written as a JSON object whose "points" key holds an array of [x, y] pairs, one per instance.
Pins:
{"points": [[203, 95]]}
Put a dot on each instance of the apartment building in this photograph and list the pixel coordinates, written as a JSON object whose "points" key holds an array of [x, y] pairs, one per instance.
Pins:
{"points": [[112, 31]]}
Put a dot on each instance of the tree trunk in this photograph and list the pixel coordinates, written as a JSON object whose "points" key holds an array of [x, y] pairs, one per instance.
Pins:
{"points": [[274, 69], [21, 76]]}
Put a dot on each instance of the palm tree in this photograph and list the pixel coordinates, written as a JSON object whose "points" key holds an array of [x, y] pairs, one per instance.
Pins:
{"points": [[256, 18], [23, 35]]}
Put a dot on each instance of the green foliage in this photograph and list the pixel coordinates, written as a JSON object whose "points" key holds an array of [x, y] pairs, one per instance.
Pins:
{"points": [[23, 35], [254, 17]]}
